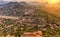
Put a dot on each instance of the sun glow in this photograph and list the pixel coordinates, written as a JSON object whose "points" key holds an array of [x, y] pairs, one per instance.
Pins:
{"points": [[53, 1]]}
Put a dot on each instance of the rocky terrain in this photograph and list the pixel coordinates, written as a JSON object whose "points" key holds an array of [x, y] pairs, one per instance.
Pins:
{"points": [[30, 19]]}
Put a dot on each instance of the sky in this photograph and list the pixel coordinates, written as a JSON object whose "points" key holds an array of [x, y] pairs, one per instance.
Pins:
{"points": [[22, 0], [17, 0]]}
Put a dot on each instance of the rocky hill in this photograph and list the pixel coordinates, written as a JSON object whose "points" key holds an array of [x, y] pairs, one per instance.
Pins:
{"points": [[12, 8], [31, 19]]}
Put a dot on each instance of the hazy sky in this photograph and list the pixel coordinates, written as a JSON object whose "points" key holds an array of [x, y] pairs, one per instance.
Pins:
{"points": [[19, 0], [23, 0]]}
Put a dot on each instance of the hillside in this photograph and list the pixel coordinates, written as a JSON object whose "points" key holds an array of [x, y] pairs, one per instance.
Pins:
{"points": [[53, 9], [31, 19]]}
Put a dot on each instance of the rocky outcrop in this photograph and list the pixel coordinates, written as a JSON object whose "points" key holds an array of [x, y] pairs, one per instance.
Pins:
{"points": [[32, 34]]}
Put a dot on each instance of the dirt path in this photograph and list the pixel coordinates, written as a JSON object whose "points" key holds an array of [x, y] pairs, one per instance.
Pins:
{"points": [[8, 17]]}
